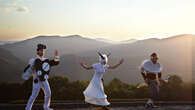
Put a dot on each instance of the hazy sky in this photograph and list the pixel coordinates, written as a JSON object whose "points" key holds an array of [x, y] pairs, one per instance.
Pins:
{"points": [[110, 19]]}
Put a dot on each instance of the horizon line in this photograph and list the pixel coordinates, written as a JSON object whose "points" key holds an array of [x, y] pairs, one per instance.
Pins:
{"points": [[145, 37]]}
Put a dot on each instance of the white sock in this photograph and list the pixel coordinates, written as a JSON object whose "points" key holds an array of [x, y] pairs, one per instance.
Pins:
{"points": [[150, 101]]}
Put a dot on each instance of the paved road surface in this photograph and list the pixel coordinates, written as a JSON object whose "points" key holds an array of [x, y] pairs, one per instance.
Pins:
{"points": [[114, 106]]}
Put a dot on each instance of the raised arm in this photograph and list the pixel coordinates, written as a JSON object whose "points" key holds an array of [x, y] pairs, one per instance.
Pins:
{"points": [[115, 66], [56, 59], [85, 66]]}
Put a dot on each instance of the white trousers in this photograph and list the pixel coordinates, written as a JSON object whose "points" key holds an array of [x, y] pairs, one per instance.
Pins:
{"points": [[44, 85]]}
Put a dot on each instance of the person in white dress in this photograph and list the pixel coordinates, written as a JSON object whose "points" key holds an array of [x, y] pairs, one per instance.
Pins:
{"points": [[94, 93]]}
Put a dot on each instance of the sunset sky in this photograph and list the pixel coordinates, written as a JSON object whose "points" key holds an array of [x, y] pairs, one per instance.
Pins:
{"points": [[109, 19]]}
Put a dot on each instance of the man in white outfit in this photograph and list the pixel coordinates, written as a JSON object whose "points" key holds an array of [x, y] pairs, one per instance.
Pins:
{"points": [[40, 67], [151, 72]]}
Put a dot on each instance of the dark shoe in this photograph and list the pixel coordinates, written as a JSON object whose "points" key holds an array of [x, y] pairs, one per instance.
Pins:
{"points": [[149, 105], [105, 108]]}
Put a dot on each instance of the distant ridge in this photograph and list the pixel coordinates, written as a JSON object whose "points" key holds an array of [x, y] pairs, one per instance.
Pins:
{"points": [[180, 36], [176, 55]]}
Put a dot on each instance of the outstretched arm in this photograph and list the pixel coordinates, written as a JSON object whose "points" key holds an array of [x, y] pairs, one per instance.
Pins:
{"points": [[56, 59], [85, 66], [115, 66]]}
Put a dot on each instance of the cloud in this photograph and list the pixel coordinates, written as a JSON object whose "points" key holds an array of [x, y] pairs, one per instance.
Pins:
{"points": [[12, 5], [22, 9]]}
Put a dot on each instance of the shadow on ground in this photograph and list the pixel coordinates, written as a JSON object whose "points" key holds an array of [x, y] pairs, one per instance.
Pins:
{"points": [[141, 108]]}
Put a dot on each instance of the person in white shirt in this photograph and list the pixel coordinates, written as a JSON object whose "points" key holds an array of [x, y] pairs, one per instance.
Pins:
{"points": [[94, 93], [151, 73], [40, 67]]}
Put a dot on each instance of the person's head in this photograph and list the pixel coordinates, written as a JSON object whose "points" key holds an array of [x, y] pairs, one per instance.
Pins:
{"points": [[154, 57], [103, 58], [41, 50]]}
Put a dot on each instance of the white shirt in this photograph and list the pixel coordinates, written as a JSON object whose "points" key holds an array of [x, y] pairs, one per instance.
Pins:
{"points": [[149, 66]]}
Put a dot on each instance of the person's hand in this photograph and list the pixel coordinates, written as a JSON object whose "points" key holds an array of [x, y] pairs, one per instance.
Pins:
{"points": [[121, 61], [56, 53], [81, 63]]}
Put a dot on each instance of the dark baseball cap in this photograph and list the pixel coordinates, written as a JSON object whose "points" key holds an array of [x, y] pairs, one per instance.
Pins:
{"points": [[41, 46]]}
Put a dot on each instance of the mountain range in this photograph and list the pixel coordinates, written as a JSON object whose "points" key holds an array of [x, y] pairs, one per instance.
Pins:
{"points": [[176, 54]]}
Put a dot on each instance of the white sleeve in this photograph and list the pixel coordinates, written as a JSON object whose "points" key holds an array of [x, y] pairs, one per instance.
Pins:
{"points": [[161, 67], [94, 65], [143, 64], [106, 66], [31, 61], [26, 75]]}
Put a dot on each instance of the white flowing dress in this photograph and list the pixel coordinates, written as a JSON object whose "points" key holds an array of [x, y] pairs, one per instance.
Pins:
{"points": [[94, 93]]}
